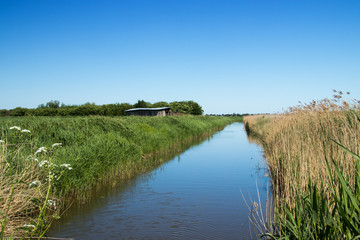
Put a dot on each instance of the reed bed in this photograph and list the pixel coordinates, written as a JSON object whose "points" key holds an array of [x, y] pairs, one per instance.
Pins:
{"points": [[304, 147], [46, 161]]}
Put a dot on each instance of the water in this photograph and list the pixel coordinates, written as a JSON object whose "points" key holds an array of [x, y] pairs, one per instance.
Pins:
{"points": [[196, 195]]}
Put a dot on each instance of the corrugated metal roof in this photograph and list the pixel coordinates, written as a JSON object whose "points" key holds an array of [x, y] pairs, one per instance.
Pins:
{"points": [[147, 109]]}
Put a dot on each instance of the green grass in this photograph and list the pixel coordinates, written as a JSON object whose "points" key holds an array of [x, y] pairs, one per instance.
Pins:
{"points": [[94, 146]]}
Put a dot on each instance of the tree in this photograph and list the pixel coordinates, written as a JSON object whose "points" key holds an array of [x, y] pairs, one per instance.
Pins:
{"points": [[142, 104], [19, 111], [186, 107], [160, 104], [196, 109], [53, 104]]}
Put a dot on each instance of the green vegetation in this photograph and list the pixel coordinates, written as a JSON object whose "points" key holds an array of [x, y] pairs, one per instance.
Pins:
{"points": [[313, 216], [315, 178], [94, 150], [55, 108]]}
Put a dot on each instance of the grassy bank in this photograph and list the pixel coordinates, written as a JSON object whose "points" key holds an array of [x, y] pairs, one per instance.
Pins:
{"points": [[313, 175], [79, 154]]}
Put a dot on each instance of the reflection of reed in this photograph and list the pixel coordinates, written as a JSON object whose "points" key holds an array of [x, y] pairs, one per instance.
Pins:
{"points": [[261, 220], [253, 139]]}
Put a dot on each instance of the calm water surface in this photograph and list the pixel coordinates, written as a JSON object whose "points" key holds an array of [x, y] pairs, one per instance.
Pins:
{"points": [[197, 195]]}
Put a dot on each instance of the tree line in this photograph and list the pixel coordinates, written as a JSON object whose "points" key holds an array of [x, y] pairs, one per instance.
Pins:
{"points": [[55, 108]]}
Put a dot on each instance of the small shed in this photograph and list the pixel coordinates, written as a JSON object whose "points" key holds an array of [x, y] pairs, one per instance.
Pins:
{"points": [[163, 111]]}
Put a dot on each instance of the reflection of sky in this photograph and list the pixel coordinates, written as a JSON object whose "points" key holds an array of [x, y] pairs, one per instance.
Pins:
{"points": [[198, 196]]}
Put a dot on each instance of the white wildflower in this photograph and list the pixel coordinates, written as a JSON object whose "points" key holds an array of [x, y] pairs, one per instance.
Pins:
{"points": [[52, 203], [29, 158], [66, 165], [25, 131], [42, 149], [57, 144], [29, 225], [15, 127], [42, 163], [2, 141], [34, 184]]}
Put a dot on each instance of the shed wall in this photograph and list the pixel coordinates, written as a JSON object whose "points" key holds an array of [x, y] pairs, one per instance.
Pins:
{"points": [[148, 113]]}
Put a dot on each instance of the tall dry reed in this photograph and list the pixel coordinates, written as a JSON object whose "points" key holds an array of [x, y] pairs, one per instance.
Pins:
{"points": [[314, 163], [298, 142]]}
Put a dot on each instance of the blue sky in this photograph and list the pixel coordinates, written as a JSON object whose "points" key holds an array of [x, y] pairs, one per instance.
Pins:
{"points": [[243, 56]]}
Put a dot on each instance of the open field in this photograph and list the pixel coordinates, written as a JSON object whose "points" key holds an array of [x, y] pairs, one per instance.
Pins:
{"points": [[79, 154], [311, 173]]}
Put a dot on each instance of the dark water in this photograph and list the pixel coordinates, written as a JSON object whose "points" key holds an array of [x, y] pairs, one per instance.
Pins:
{"points": [[197, 195]]}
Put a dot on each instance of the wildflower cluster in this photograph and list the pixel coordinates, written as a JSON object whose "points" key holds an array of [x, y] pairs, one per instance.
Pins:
{"points": [[29, 226], [65, 165], [51, 203], [46, 155], [17, 135], [19, 129], [34, 184], [42, 149], [56, 144], [40, 189]]}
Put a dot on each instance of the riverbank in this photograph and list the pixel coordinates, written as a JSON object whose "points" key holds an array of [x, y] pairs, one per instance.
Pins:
{"points": [[79, 154], [197, 194], [312, 175]]}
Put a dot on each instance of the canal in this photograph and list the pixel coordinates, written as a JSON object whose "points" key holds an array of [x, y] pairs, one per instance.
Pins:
{"points": [[197, 195]]}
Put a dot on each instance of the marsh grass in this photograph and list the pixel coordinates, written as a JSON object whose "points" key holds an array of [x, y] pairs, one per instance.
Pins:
{"points": [[26, 182], [99, 150], [312, 173], [315, 216], [297, 144]]}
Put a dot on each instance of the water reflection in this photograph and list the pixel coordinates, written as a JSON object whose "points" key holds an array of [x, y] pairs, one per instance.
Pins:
{"points": [[196, 195]]}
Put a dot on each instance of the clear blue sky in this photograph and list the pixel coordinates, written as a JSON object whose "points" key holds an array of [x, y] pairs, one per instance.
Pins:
{"points": [[242, 56]]}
